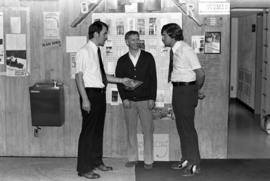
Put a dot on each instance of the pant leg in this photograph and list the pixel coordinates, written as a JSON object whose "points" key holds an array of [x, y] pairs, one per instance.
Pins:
{"points": [[147, 124], [131, 117], [100, 130], [184, 103], [91, 136]]}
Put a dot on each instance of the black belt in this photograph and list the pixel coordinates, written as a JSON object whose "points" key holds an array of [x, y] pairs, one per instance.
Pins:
{"points": [[99, 90], [183, 83]]}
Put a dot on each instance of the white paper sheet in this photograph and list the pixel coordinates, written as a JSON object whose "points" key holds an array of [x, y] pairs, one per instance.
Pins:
{"points": [[74, 43], [15, 24], [15, 42]]}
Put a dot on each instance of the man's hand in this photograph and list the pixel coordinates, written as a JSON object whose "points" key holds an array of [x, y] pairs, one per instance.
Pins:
{"points": [[86, 105], [151, 104], [126, 104], [127, 82], [201, 95]]}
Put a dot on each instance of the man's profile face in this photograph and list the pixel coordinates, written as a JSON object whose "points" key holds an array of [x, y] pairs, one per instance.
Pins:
{"points": [[166, 39], [102, 36]]}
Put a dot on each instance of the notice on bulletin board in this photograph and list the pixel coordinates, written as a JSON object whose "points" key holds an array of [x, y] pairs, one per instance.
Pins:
{"points": [[51, 25], [16, 55], [214, 8], [15, 42]]}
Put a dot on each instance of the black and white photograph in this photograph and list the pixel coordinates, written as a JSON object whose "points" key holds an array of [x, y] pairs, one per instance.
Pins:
{"points": [[212, 42], [134, 90]]}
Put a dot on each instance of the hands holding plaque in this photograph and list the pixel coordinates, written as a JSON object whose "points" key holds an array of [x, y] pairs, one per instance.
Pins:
{"points": [[131, 84]]}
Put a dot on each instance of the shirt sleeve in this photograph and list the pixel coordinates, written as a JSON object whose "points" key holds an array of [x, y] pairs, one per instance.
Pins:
{"points": [[80, 61], [193, 59]]}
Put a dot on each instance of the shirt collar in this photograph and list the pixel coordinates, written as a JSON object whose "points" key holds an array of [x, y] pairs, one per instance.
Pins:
{"points": [[137, 55], [176, 46], [92, 45]]}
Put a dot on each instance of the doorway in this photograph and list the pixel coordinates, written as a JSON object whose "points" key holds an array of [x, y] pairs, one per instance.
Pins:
{"points": [[245, 136]]}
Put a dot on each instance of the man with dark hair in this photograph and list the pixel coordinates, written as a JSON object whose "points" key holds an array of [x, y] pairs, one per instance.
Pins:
{"points": [[91, 82], [138, 103], [187, 77]]}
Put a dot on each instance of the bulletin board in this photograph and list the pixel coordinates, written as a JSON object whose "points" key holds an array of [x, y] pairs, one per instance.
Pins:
{"points": [[149, 26], [14, 41]]}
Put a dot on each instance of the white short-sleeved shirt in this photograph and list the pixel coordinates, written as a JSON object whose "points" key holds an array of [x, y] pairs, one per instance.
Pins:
{"points": [[185, 61], [87, 62]]}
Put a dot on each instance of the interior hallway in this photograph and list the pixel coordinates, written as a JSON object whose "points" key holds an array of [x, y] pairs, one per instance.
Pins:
{"points": [[246, 140]]}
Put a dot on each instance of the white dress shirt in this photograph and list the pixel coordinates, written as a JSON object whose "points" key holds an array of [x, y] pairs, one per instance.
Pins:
{"points": [[185, 61], [87, 62], [134, 59]]}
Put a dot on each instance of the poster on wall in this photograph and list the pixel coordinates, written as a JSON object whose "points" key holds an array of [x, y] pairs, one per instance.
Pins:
{"points": [[16, 62], [72, 65], [212, 42], [1, 52], [197, 43], [114, 96], [51, 25], [161, 147]]}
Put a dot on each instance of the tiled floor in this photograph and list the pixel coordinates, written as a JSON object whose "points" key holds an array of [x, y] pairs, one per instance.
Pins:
{"points": [[57, 169], [245, 137], [246, 140]]}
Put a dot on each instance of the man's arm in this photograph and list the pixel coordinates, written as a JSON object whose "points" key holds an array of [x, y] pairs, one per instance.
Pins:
{"points": [[113, 79], [80, 85], [153, 75], [200, 77], [119, 73]]}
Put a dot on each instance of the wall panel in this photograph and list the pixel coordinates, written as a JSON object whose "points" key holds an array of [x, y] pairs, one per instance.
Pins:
{"points": [[17, 134]]}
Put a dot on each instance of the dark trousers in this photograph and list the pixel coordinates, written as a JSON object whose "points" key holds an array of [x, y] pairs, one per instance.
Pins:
{"points": [[184, 102], [90, 147]]}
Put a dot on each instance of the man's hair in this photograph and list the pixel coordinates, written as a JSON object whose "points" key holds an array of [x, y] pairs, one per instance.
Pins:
{"points": [[173, 30], [129, 33], [96, 27]]}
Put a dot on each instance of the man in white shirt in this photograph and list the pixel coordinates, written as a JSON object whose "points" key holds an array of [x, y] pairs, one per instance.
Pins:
{"points": [[91, 82], [187, 77]]}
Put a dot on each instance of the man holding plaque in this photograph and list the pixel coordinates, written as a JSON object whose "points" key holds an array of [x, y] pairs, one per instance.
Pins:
{"points": [[138, 101]]}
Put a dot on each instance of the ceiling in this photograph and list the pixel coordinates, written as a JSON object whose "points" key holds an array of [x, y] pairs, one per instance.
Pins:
{"points": [[250, 3], [247, 7]]}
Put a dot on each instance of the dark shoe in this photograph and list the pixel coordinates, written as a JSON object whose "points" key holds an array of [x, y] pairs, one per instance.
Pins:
{"points": [[148, 166], [191, 170], [130, 164], [104, 168], [180, 165], [89, 175]]}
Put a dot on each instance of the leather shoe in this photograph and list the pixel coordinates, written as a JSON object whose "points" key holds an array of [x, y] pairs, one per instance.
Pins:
{"points": [[89, 175], [148, 166], [191, 170], [104, 168], [180, 165]]}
